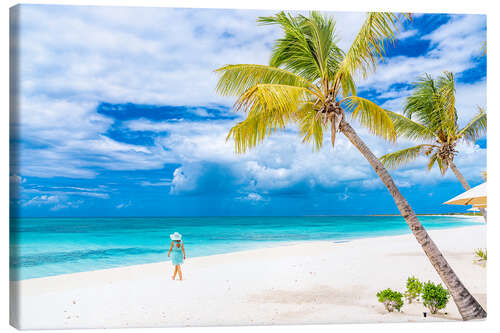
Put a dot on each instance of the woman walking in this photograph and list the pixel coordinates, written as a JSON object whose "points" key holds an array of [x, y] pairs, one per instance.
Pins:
{"points": [[178, 254]]}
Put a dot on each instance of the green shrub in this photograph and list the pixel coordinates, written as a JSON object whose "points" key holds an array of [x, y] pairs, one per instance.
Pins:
{"points": [[392, 300], [435, 296], [414, 289], [481, 254]]}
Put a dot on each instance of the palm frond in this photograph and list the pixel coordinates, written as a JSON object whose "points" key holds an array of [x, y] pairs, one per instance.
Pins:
{"points": [[310, 127], [446, 95], [348, 85], [378, 30], [274, 98], [308, 45], [371, 116], [475, 128], [270, 107], [422, 103], [403, 156], [253, 130], [320, 34], [443, 165], [236, 79], [432, 104], [432, 160], [410, 129]]}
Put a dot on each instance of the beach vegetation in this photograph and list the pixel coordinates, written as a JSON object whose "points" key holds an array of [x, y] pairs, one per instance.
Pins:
{"points": [[481, 255], [414, 289], [392, 300], [311, 82], [431, 119], [435, 297]]}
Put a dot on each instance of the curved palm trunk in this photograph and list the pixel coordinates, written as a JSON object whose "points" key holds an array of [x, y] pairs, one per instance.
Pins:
{"points": [[465, 184], [467, 305]]}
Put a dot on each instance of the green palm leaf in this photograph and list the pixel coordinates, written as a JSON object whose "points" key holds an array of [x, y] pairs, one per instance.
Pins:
{"points": [[308, 47], [423, 102], [371, 116], [270, 107], [410, 129], [475, 128], [443, 165], [310, 127], [236, 79], [348, 85], [378, 30], [253, 130], [273, 98], [432, 160], [446, 102], [404, 156]]}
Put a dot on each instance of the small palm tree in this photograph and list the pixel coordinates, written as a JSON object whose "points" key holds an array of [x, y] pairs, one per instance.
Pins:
{"points": [[310, 82], [430, 117]]}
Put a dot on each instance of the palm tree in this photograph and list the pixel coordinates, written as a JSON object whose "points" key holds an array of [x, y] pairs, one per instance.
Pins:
{"points": [[430, 117], [310, 82]]}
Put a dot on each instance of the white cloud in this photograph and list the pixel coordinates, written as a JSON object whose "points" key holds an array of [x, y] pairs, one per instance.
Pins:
{"points": [[59, 192], [57, 202], [468, 98], [60, 197], [42, 200], [407, 34], [67, 204], [163, 182], [252, 197], [455, 47], [117, 55], [282, 161], [124, 205], [185, 179]]}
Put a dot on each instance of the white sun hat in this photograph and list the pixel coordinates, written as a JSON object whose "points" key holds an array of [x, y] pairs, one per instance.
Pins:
{"points": [[175, 236]]}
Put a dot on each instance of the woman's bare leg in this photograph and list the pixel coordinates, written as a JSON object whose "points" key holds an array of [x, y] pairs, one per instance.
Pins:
{"points": [[180, 272], [175, 272]]}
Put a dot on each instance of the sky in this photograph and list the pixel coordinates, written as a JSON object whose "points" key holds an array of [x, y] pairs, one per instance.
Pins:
{"points": [[116, 115]]}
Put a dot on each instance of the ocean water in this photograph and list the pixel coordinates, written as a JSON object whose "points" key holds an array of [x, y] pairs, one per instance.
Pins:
{"points": [[43, 247]]}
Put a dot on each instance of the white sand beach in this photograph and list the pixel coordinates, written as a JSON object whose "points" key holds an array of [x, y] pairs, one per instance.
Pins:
{"points": [[311, 282]]}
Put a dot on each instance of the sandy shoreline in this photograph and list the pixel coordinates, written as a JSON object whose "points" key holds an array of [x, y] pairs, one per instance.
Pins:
{"points": [[309, 282]]}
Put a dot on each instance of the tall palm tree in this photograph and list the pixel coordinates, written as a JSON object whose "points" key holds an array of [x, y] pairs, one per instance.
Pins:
{"points": [[430, 117], [310, 82]]}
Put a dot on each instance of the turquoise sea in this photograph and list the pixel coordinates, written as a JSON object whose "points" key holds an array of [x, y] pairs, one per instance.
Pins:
{"points": [[43, 247]]}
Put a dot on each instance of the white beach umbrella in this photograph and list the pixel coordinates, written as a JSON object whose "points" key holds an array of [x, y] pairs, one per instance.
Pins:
{"points": [[473, 209], [476, 196]]}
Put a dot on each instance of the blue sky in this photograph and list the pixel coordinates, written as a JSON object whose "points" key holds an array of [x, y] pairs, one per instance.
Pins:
{"points": [[118, 116]]}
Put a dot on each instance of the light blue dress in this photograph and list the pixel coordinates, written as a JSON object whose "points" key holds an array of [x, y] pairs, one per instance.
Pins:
{"points": [[177, 255]]}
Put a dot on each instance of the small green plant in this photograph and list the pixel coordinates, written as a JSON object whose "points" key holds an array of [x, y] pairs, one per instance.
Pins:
{"points": [[435, 296], [481, 255], [392, 300], [414, 289]]}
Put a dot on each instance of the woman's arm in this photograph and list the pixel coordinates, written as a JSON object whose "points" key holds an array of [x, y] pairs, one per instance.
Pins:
{"points": [[171, 246], [183, 250]]}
